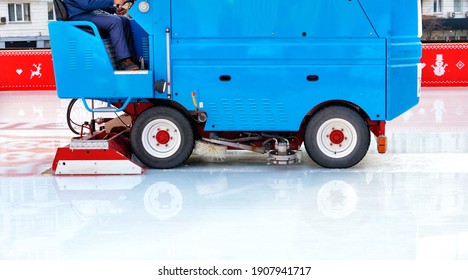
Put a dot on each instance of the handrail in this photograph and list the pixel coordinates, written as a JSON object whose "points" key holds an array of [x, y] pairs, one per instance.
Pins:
{"points": [[107, 109]]}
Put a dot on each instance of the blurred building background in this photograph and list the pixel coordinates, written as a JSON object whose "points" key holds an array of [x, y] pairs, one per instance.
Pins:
{"points": [[445, 20], [23, 23]]}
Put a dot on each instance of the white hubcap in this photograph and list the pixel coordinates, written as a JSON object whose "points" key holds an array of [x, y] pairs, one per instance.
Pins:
{"points": [[336, 138], [161, 138]]}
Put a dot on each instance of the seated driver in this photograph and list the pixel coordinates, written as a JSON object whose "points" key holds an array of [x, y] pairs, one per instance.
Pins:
{"points": [[107, 17]]}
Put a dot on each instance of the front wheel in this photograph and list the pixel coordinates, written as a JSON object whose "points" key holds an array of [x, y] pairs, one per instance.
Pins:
{"points": [[162, 137], [337, 137]]}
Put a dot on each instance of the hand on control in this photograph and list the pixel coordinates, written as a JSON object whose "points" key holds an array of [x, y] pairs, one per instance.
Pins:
{"points": [[121, 11]]}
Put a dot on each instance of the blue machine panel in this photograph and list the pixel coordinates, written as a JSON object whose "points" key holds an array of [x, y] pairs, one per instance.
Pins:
{"points": [[255, 65], [274, 82], [275, 98], [83, 68], [269, 18], [400, 26], [262, 84]]}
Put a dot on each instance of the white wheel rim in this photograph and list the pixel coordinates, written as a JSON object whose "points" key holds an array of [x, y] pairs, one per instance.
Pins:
{"points": [[166, 209], [337, 199], [161, 138], [336, 138]]}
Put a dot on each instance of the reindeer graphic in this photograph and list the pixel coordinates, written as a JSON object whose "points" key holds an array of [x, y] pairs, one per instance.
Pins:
{"points": [[39, 112], [37, 72]]}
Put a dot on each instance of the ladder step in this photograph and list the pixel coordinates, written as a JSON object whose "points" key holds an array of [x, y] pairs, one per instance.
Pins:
{"points": [[89, 145]]}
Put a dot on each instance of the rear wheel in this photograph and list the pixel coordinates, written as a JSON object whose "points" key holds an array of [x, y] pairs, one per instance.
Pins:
{"points": [[337, 137], [162, 137]]}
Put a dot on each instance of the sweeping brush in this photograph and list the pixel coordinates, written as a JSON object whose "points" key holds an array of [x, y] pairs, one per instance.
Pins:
{"points": [[210, 151]]}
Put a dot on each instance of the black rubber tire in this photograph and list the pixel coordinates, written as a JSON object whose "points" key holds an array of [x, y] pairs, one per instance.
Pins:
{"points": [[351, 144], [169, 154]]}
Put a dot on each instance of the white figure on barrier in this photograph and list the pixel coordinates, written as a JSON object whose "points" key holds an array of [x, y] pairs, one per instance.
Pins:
{"points": [[38, 111], [439, 109], [36, 72], [439, 67]]}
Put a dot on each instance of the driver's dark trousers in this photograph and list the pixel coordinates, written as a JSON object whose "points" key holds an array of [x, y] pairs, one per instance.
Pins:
{"points": [[119, 30]]}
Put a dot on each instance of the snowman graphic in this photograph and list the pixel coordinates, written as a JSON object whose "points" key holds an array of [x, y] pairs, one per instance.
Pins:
{"points": [[439, 110], [439, 68]]}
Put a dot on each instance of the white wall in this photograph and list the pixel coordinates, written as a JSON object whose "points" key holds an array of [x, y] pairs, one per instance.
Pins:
{"points": [[447, 7], [37, 26]]}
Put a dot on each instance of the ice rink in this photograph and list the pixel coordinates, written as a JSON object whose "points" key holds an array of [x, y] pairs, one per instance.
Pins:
{"points": [[408, 204]]}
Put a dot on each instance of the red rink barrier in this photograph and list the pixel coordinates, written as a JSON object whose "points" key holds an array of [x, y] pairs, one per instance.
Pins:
{"points": [[444, 65], [26, 70]]}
